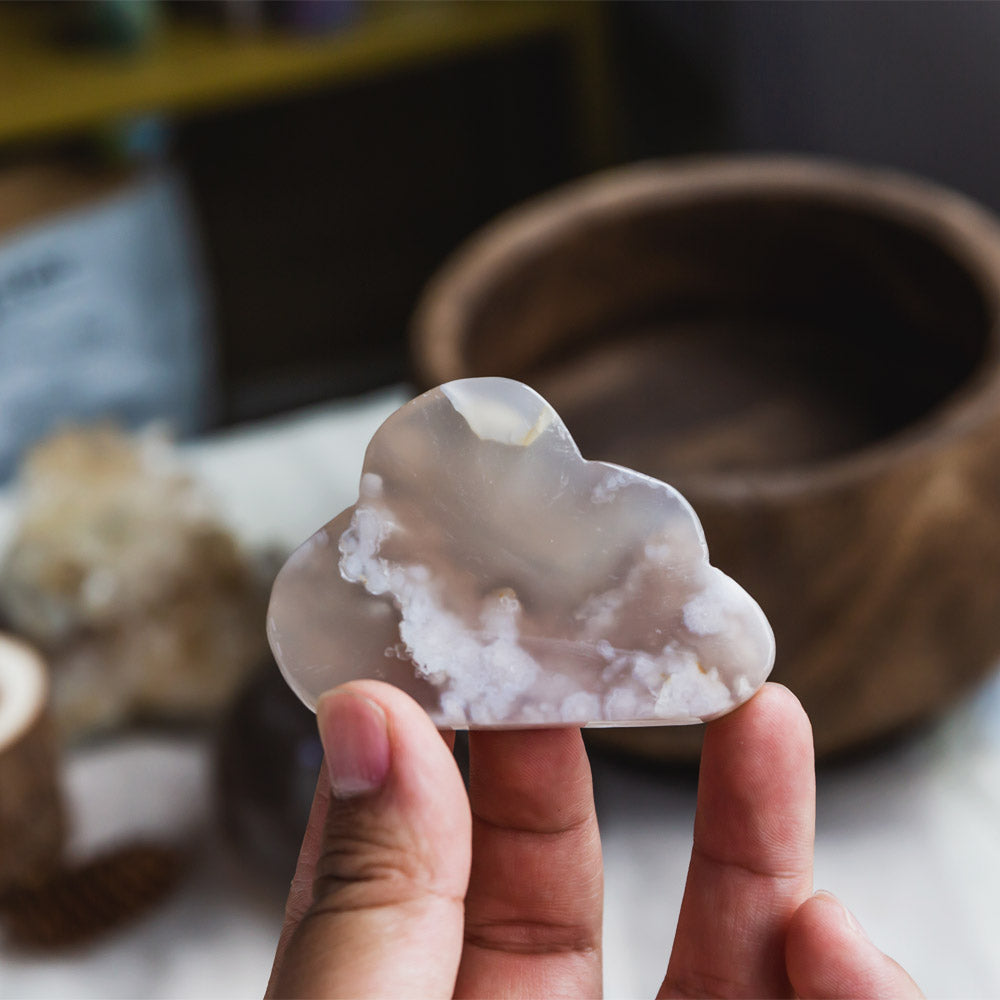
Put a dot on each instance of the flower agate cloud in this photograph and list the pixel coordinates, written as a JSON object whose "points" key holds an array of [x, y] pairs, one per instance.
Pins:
{"points": [[503, 580]]}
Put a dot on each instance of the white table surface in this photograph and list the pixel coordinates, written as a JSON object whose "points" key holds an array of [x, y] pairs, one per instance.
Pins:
{"points": [[910, 838]]}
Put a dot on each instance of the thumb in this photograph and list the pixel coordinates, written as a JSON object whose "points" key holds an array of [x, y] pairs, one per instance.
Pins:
{"points": [[392, 856], [829, 957]]}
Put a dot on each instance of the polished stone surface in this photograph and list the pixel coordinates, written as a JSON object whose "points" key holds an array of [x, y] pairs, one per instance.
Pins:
{"points": [[501, 579]]}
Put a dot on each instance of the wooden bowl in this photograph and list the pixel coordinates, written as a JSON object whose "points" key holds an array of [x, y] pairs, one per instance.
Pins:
{"points": [[809, 352]]}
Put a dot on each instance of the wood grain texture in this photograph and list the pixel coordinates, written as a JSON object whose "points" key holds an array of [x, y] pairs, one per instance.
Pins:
{"points": [[32, 815], [809, 351], [77, 904]]}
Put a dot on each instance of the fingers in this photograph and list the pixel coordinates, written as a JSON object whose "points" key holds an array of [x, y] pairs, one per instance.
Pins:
{"points": [[533, 910], [392, 859], [300, 894], [829, 957], [751, 863]]}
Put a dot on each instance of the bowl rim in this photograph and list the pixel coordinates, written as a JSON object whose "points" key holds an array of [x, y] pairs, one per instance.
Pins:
{"points": [[961, 228]]}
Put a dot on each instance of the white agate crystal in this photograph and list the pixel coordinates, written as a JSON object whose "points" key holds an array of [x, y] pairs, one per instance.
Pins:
{"points": [[502, 580]]}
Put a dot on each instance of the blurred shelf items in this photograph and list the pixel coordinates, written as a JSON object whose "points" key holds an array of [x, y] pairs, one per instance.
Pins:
{"points": [[213, 213], [319, 159]]}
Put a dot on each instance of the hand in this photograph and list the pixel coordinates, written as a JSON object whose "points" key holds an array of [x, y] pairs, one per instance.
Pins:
{"points": [[408, 887]]}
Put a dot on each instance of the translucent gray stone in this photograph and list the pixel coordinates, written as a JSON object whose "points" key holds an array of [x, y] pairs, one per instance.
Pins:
{"points": [[502, 580]]}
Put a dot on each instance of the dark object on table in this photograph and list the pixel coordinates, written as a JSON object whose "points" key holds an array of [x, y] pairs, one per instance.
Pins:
{"points": [[78, 904], [809, 353], [268, 761]]}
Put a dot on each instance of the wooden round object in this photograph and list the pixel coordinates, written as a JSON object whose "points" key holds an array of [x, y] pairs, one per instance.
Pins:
{"points": [[32, 821], [809, 352]]}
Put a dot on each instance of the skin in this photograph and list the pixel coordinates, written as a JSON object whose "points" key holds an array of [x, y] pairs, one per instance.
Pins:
{"points": [[408, 886]]}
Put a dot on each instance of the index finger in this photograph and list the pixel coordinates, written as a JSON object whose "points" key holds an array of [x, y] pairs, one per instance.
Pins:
{"points": [[534, 906]]}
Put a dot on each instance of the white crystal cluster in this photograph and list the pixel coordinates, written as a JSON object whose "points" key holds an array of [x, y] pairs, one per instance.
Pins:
{"points": [[122, 573], [503, 580]]}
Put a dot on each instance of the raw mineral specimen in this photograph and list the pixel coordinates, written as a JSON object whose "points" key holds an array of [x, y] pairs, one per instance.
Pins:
{"points": [[123, 575], [502, 580]]}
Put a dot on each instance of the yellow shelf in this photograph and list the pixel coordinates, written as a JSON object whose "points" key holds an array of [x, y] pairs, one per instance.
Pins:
{"points": [[45, 90]]}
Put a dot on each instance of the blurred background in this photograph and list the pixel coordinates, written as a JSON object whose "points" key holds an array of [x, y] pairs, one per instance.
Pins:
{"points": [[324, 158], [216, 221]]}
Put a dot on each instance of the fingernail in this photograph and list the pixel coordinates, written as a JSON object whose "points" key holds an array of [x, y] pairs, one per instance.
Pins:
{"points": [[849, 919], [355, 737]]}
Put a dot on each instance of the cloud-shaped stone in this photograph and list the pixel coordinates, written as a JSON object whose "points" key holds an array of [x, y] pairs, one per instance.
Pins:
{"points": [[502, 580]]}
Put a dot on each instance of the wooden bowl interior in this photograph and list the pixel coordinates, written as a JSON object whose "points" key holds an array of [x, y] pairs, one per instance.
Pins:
{"points": [[734, 333]]}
